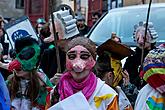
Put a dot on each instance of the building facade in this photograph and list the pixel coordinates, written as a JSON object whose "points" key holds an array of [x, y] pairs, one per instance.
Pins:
{"points": [[11, 8], [17, 8]]}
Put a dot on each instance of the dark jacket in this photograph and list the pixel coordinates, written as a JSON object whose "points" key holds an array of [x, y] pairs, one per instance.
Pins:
{"points": [[84, 31], [49, 62], [4, 45], [133, 64]]}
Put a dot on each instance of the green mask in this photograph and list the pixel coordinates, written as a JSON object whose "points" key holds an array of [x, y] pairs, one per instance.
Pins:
{"points": [[28, 57]]}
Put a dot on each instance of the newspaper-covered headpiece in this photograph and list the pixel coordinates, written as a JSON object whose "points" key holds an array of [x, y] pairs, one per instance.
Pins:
{"points": [[150, 30], [68, 22]]}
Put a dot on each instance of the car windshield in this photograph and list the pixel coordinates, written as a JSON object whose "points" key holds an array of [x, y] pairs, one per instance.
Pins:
{"points": [[122, 22]]}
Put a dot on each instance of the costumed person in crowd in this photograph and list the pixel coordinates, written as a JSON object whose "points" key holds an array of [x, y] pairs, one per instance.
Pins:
{"points": [[4, 95], [82, 27], [80, 60], [27, 86], [152, 95], [63, 32], [133, 63], [109, 68]]}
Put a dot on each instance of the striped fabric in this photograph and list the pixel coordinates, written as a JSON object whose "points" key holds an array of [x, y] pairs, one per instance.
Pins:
{"points": [[154, 69], [156, 103]]}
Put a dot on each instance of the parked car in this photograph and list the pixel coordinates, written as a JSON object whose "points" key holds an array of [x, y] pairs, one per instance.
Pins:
{"points": [[122, 21]]}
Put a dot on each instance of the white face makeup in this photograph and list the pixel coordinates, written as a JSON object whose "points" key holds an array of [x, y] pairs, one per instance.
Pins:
{"points": [[79, 62]]}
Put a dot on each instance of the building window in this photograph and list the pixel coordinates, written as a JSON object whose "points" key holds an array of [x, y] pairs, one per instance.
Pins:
{"points": [[19, 4]]}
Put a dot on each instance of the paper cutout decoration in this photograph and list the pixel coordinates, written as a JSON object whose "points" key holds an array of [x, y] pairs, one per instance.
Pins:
{"points": [[68, 23]]}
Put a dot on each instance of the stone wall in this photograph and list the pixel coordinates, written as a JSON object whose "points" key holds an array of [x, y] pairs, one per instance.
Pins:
{"points": [[8, 9]]}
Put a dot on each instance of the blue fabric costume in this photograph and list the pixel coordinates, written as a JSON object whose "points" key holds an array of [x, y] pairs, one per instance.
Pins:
{"points": [[4, 95]]}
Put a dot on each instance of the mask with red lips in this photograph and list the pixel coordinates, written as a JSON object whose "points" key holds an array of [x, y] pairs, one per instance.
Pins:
{"points": [[79, 59]]}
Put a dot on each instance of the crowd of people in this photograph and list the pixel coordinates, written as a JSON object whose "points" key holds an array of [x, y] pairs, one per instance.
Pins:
{"points": [[31, 80]]}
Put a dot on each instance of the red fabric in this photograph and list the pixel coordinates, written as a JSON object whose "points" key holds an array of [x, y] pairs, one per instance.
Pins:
{"points": [[68, 86], [41, 107], [48, 98], [14, 65], [141, 74], [156, 81]]}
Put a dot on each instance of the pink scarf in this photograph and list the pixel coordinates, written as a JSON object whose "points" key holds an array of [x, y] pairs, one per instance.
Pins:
{"points": [[68, 86]]}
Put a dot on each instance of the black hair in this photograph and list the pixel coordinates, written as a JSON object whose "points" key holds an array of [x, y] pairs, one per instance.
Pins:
{"points": [[12, 53], [103, 65], [22, 42], [96, 13], [45, 31]]}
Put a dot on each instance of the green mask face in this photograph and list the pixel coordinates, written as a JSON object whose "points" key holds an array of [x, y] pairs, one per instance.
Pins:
{"points": [[28, 57]]}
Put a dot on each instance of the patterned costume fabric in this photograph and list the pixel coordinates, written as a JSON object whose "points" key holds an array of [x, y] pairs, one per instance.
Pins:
{"points": [[152, 96], [154, 69], [149, 99], [41, 102]]}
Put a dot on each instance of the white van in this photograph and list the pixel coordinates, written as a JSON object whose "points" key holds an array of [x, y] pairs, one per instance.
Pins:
{"points": [[122, 21]]}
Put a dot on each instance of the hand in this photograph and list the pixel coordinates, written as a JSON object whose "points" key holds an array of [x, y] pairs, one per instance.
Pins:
{"points": [[55, 79], [125, 77], [4, 65], [5, 57], [49, 39]]}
